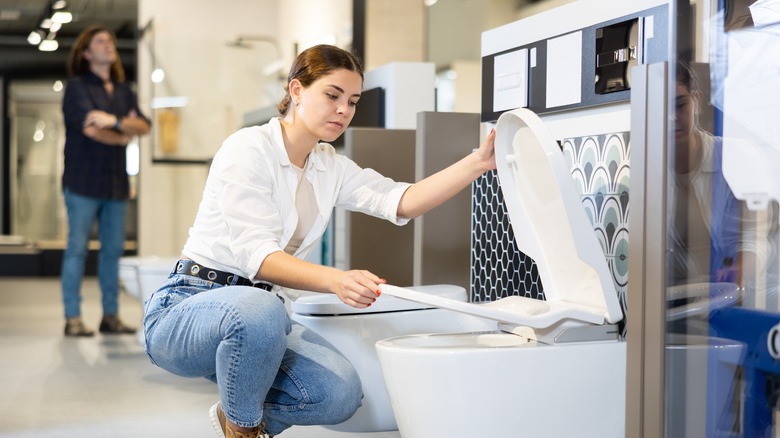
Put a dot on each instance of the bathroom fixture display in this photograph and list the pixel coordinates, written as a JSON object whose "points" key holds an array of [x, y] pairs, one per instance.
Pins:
{"points": [[355, 332], [552, 360]]}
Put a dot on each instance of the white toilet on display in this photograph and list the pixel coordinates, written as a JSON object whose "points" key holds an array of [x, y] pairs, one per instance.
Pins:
{"points": [[355, 332], [142, 276], [556, 368]]}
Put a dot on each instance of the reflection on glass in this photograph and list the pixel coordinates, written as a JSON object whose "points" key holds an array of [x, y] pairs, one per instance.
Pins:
{"points": [[722, 225]]}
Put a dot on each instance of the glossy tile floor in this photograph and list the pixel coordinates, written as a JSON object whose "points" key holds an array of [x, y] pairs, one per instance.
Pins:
{"points": [[52, 386]]}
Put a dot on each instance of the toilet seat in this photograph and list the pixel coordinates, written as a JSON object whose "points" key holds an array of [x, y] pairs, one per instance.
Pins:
{"points": [[550, 226], [330, 304]]}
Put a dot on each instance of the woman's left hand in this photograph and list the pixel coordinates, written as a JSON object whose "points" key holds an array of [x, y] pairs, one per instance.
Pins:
{"points": [[487, 152]]}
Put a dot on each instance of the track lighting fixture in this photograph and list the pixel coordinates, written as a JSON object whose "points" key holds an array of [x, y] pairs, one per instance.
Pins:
{"points": [[53, 17]]}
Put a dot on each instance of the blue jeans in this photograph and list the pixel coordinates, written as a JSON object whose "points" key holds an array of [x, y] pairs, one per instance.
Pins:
{"points": [[266, 368], [82, 213]]}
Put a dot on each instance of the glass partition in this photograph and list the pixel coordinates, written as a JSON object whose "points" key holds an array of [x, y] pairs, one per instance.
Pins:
{"points": [[37, 142], [723, 177], [37, 136]]}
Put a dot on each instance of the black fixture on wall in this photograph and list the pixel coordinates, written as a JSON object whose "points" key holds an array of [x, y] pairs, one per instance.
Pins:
{"points": [[359, 29]]}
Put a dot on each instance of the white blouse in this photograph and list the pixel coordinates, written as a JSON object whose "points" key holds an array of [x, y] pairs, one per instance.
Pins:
{"points": [[248, 207]]}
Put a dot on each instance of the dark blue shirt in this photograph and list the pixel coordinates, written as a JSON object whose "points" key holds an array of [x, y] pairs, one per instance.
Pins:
{"points": [[92, 168]]}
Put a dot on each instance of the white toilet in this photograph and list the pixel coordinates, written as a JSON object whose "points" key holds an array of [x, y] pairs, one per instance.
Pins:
{"points": [[355, 332], [557, 368], [142, 276]]}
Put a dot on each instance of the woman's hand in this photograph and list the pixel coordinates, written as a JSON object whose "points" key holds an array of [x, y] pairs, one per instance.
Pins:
{"points": [[358, 288], [487, 152], [436, 189]]}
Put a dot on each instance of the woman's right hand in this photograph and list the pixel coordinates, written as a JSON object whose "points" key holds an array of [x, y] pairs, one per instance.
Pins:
{"points": [[358, 288]]}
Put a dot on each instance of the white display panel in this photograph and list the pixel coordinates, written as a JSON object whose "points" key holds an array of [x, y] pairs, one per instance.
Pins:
{"points": [[510, 80]]}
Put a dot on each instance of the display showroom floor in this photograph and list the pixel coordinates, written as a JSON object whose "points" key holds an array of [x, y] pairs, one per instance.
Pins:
{"points": [[100, 387]]}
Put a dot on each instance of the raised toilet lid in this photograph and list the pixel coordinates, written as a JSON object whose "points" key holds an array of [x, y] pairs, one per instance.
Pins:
{"points": [[331, 305], [551, 226]]}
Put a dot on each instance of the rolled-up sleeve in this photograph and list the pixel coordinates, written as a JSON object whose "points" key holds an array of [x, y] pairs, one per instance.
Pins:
{"points": [[367, 191]]}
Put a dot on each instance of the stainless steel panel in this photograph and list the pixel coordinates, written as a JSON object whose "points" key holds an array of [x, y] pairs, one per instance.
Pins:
{"points": [[647, 222]]}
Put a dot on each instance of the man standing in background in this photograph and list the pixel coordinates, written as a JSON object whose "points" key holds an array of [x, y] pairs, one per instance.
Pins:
{"points": [[101, 117]]}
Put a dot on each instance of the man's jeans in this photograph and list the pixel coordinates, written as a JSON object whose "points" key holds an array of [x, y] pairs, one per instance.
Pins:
{"points": [[82, 213]]}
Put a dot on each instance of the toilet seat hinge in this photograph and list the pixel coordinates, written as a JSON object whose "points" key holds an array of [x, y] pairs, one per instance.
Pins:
{"points": [[565, 332]]}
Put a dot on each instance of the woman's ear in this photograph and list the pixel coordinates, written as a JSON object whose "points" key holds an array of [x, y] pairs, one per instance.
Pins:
{"points": [[296, 89]]}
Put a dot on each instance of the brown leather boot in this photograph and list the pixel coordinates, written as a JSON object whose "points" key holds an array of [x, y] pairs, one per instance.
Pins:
{"points": [[223, 429], [111, 324], [75, 327]]}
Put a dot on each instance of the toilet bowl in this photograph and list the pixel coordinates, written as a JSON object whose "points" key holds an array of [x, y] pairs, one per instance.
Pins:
{"points": [[498, 384], [355, 332], [556, 368], [142, 276]]}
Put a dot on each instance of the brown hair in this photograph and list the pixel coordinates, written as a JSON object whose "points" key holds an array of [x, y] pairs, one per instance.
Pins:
{"points": [[78, 65], [314, 63], [687, 77]]}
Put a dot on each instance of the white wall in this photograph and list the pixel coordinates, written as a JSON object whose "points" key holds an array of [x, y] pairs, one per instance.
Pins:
{"points": [[395, 32], [221, 84], [188, 39], [308, 22]]}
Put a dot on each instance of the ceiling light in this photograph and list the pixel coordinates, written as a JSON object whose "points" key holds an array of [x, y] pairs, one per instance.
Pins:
{"points": [[46, 23], [55, 27], [35, 37], [62, 17], [48, 46], [59, 4]]}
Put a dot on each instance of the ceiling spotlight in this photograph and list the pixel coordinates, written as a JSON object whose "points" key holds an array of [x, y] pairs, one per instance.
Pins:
{"points": [[48, 46], [35, 37], [62, 17], [59, 4]]}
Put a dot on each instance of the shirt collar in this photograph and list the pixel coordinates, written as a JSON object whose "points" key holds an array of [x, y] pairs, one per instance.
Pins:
{"points": [[278, 139], [92, 77]]}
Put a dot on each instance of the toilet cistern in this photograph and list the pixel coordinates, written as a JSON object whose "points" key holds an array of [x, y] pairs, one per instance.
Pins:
{"points": [[550, 226]]}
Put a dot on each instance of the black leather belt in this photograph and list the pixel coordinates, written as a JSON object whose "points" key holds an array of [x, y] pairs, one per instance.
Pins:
{"points": [[189, 267]]}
